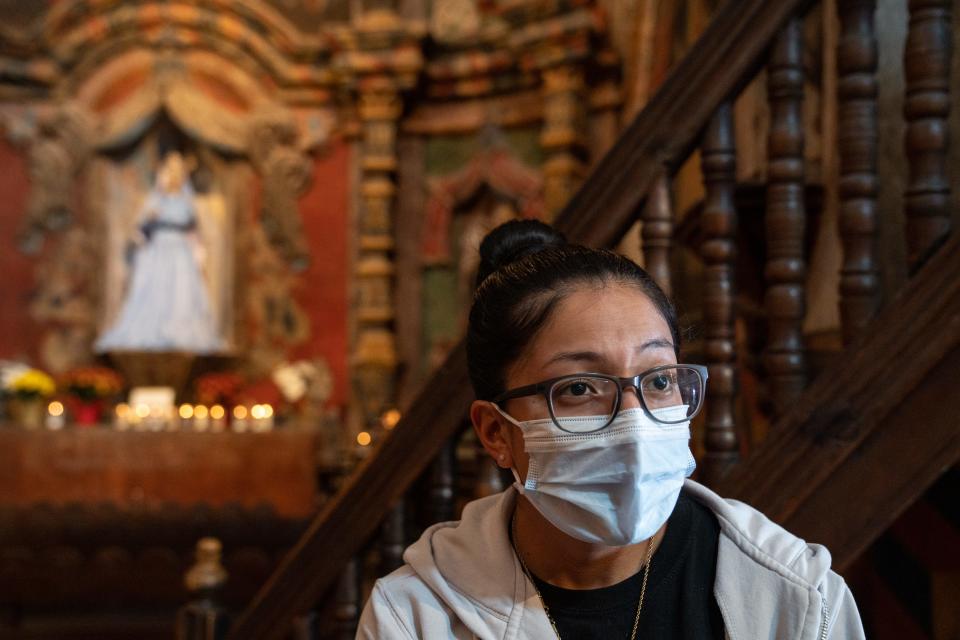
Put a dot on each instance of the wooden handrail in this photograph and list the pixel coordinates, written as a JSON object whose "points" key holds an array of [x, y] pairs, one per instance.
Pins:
{"points": [[723, 60]]}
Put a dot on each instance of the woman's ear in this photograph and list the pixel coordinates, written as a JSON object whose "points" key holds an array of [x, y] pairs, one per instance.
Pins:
{"points": [[492, 429]]}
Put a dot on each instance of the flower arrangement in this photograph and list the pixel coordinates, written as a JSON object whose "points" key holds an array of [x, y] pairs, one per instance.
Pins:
{"points": [[29, 384], [218, 388], [92, 383]]}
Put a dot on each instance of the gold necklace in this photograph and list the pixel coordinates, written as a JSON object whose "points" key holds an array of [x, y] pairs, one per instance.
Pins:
{"points": [[526, 572]]}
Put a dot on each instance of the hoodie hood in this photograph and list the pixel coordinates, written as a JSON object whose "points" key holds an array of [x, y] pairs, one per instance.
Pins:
{"points": [[768, 580], [470, 565]]}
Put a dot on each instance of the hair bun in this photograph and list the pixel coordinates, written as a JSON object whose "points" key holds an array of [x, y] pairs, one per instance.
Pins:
{"points": [[513, 240]]}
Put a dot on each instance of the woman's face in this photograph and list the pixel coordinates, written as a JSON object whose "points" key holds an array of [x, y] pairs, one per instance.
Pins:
{"points": [[171, 172], [612, 329]]}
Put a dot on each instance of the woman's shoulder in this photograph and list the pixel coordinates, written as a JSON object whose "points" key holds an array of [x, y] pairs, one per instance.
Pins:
{"points": [[760, 539]]}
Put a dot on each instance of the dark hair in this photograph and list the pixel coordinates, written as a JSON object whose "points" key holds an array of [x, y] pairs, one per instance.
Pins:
{"points": [[526, 269]]}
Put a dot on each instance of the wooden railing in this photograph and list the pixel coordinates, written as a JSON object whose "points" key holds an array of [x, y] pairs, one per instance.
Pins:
{"points": [[823, 428]]}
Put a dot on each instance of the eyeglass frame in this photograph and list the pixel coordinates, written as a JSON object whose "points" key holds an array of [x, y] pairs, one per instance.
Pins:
{"points": [[545, 387]]}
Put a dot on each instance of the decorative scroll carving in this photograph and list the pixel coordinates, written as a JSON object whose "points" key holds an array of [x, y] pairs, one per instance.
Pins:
{"points": [[927, 107], [719, 254], [57, 153], [564, 120], [285, 171], [786, 219], [495, 168], [657, 231], [857, 98]]}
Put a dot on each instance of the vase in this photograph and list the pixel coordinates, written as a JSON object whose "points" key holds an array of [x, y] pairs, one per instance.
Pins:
{"points": [[87, 413], [27, 413]]}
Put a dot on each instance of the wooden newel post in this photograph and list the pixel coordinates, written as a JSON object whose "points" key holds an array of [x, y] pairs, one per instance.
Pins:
{"points": [[203, 618]]}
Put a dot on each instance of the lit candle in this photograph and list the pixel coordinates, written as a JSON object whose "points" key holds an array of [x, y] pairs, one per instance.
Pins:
{"points": [[186, 416], [240, 418], [201, 417], [218, 418], [55, 417], [268, 417], [121, 417], [141, 413]]}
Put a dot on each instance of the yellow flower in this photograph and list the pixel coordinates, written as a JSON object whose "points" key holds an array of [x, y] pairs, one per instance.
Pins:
{"points": [[33, 382]]}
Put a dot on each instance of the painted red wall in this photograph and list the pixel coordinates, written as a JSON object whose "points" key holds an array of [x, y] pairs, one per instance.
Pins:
{"points": [[322, 292], [19, 336]]}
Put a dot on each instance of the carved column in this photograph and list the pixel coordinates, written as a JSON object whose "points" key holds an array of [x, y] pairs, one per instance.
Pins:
{"points": [[927, 107], [785, 221], [374, 358], [857, 105], [719, 250], [562, 138]]}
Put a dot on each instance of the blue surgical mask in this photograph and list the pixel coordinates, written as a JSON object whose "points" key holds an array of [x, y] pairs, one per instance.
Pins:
{"points": [[613, 487]]}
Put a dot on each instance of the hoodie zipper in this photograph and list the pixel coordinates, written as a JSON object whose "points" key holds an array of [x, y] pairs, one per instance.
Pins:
{"points": [[825, 611]]}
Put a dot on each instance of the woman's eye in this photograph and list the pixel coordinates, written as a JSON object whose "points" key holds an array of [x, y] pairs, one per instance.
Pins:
{"points": [[578, 388], [661, 382]]}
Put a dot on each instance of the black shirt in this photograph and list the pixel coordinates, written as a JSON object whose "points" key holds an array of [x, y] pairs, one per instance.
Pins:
{"points": [[679, 602]]}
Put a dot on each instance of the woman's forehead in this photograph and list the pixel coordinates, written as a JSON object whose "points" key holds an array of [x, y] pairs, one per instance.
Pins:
{"points": [[612, 326]]}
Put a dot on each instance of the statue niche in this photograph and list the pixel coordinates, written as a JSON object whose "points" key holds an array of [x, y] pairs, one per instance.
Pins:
{"points": [[245, 162]]}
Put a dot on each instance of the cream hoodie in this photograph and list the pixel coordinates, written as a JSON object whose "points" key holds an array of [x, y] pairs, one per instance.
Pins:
{"points": [[462, 580]]}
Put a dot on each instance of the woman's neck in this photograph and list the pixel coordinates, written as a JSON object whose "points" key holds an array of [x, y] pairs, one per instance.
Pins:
{"points": [[566, 562]]}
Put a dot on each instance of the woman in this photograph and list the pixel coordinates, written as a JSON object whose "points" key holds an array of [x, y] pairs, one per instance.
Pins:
{"points": [[573, 357], [167, 307]]}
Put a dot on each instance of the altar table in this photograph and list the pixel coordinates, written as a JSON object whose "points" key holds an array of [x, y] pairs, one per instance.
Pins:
{"points": [[134, 468]]}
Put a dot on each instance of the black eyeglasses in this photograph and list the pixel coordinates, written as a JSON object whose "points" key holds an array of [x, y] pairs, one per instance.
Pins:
{"points": [[662, 391]]}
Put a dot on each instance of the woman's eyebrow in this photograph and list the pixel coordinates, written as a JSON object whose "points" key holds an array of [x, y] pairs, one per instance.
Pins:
{"points": [[576, 356], [594, 357], [656, 343]]}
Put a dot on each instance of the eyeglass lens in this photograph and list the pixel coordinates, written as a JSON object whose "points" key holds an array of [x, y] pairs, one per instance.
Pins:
{"points": [[584, 396]]}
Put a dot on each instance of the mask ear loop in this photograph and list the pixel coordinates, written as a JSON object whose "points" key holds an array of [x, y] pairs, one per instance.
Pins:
{"points": [[518, 483]]}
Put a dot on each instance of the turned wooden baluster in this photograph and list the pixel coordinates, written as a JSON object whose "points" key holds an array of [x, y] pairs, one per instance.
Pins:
{"points": [[927, 106], [719, 255], [442, 481], [785, 220], [657, 233], [347, 605], [393, 539], [857, 135]]}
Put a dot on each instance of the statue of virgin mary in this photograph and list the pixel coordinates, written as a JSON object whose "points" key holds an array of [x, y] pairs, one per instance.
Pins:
{"points": [[167, 305]]}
